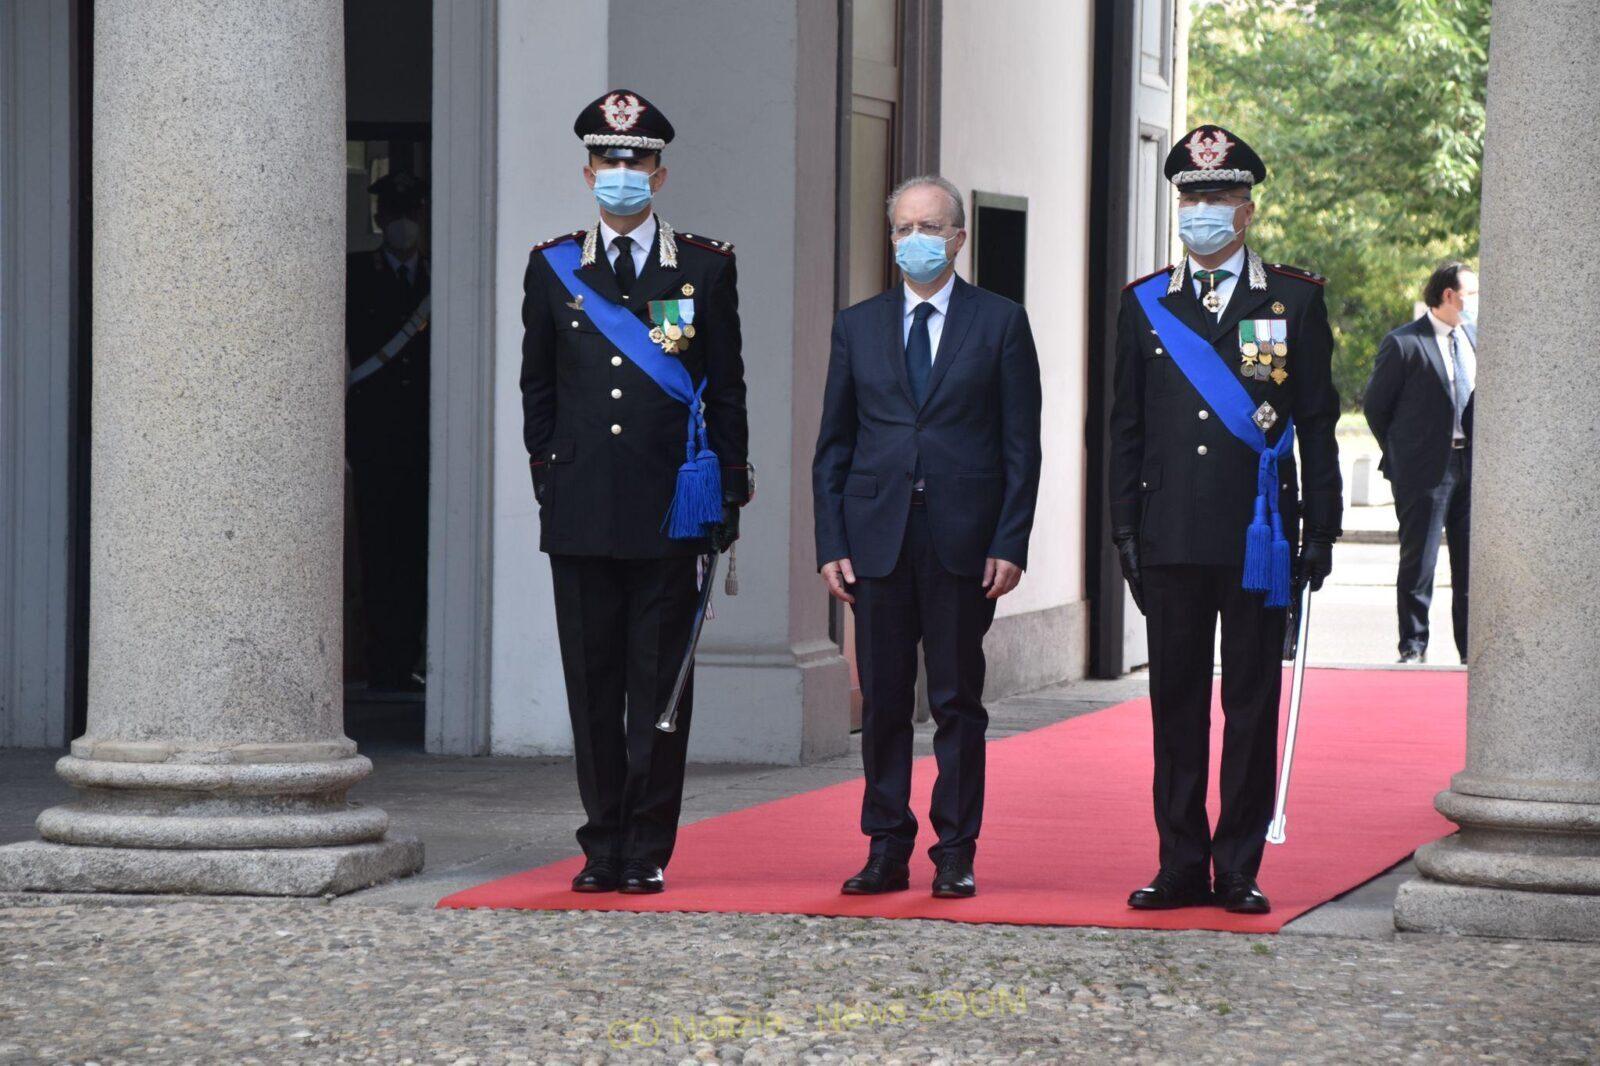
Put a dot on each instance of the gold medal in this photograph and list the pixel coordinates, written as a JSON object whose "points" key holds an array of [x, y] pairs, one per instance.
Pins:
{"points": [[1277, 307], [687, 290], [656, 335], [1264, 358], [688, 331], [1278, 360], [1280, 348], [1249, 349], [672, 330], [1279, 376], [682, 344]]}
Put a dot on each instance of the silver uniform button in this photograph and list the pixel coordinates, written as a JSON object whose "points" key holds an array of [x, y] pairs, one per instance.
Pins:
{"points": [[616, 360], [616, 394], [1204, 415], [1201, 450], [574, 323], [615, 430]]}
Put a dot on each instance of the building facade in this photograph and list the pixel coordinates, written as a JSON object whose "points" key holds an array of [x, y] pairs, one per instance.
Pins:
{"points": [[795, 117]]}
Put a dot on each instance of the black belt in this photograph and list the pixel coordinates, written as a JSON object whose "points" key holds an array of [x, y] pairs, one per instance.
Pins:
{"points": [[919, 498], [1458, 445]]}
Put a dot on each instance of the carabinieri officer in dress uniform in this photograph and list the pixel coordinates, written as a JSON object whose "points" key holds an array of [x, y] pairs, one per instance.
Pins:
{"points": [[1223, 362], [633, 403]]}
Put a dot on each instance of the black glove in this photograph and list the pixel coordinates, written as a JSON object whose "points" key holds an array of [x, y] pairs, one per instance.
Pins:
{"points": [[540, 477], [1127, 542], [725, 532], [1316, 563]]}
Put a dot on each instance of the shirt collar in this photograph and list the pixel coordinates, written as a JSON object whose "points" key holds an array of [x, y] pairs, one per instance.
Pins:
{"points": [[408, 267], [1234, 264], [1441, 329], [643, 235], [940, 300]]}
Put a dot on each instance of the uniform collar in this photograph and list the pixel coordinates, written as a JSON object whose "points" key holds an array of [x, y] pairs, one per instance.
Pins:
{"points": [[643, 235], [1234, 264]]}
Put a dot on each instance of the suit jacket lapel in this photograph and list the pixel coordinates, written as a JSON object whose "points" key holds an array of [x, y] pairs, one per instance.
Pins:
{"points": [[894, 340], [1430, 348], [957, 320], [1187, 309]]}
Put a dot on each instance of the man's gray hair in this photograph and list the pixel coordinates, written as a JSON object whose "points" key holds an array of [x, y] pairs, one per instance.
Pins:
{"points": [[958, 210]]}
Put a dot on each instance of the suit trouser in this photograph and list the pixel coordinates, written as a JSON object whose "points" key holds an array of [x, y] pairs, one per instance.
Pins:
{"points": [[919, 600], [1182, 604], [1426, 515], [624, 626]]}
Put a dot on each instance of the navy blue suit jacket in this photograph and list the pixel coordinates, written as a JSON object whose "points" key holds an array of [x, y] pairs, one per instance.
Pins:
{"points": [[1410, 406], [976, 434]]}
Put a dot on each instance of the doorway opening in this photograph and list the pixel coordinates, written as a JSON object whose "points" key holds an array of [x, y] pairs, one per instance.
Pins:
{"points": [[388, 142]]}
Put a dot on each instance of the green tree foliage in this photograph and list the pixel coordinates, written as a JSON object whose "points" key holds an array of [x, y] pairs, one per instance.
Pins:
{"points": [[1369, 114]]}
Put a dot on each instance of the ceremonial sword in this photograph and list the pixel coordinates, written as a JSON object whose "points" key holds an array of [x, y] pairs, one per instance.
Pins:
{"points": [[668, 722], [1299, 634]]}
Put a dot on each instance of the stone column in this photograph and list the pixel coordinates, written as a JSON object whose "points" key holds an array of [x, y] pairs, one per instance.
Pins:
{"points": [[1527, 859], [215, 759]]}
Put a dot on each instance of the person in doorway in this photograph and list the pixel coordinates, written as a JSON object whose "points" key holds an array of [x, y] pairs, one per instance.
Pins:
{"points": [[386, 432], [925, 480], [630, 332], [1223, 361], [1418, 404]]}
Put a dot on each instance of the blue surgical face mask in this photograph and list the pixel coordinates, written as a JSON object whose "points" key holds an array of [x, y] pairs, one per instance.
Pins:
{"points": [[622, 191], [1469, 308], [1207, 228], [922, 256]]}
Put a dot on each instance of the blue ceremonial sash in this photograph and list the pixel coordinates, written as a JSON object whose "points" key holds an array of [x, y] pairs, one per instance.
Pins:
{"points": [[1266, 554], [697, 500]]}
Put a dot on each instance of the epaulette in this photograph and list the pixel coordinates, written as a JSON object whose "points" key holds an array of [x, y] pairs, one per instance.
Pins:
{"points": [[1147, 277], [575, 235], [1295, 272], [700, 240]]}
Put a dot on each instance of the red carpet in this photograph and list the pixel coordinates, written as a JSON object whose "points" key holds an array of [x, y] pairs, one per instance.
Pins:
{"points": [[1067, 824]]}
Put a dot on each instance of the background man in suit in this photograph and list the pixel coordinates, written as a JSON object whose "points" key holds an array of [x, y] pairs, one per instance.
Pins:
{"points": [[1416, 404], [1186, 490], [925, 479], [605, 441]]}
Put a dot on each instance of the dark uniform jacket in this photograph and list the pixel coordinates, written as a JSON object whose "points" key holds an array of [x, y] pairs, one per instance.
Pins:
{"points": [[1410, 406], [394, 400], [604, 441], [975, 436], [1178, 475]]}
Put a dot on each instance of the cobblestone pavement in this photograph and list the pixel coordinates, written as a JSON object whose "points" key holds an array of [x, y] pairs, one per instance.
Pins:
{"points": [[267, 982]]}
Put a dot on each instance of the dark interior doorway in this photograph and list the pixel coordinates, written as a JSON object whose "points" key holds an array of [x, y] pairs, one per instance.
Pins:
{"points": [[388, 70]]}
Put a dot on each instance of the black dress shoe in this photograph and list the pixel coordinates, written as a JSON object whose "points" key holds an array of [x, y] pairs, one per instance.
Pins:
{"points": [[1413, 655], [953, 879], [641, 879], [597, 875], [1171, 890], [880, 874], [1240, 895]]}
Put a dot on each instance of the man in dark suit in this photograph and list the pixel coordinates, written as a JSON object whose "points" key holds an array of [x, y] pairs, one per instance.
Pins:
{"points": [[1215, 356], [925, 479], [606, 442], [386, 438], [1417, 405]]}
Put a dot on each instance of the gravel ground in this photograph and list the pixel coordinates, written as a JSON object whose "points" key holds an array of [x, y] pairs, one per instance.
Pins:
{"points": [[261, 982]]}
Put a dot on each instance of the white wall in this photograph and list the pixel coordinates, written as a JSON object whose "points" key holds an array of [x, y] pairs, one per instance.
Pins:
{"points": [[552, 62], [1010, 71]]}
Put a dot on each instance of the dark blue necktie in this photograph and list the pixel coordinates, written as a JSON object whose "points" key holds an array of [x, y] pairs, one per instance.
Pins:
{"points": [[919, 352]]}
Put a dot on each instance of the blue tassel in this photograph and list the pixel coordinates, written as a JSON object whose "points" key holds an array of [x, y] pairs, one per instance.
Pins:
{"points": [[1258, 551], [1278, 594], [697, 501]]}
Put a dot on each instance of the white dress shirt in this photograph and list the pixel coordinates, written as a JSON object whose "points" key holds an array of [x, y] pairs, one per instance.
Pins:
{"points": [[403, 268], [1234, 265], [643, 236], [1469, 356], [941, 304]]}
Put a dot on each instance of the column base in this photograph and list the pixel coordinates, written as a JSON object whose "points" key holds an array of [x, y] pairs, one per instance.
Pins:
{"points": [[39, 866], [1426, 906]]}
